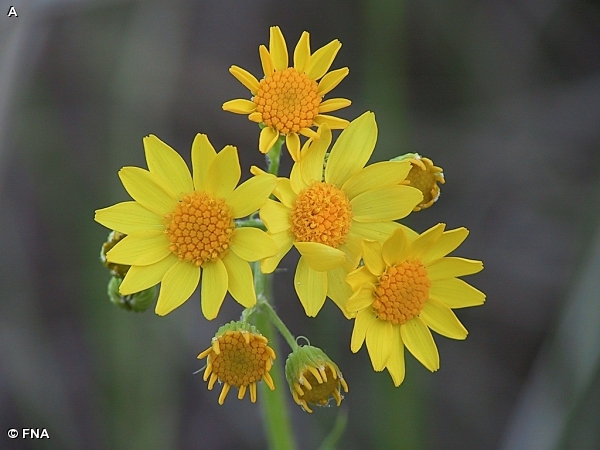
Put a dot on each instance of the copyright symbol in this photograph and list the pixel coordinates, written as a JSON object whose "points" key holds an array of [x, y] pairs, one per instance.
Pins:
{"points": [[12, 433]]}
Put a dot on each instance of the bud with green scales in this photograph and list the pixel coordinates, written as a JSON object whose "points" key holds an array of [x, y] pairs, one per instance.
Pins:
{"points": [[313, 377]]}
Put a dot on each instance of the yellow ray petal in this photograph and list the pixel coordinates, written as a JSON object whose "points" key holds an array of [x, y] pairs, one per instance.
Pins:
{"points": [[255, 117], [251, 195], [309, 133], [203, 155], [426, 240], [386, 203], [456, 293], [178, 284], [333, 104], [224, 173], [361, 299], [240, 281], [451, 267], [379, 340], [245, 77], [448, 242], [396, 248], [284, 192], [302, 52], [311, 164], [364, 319], [284, 241], [395, 364], [379, 231], [311, 287], [275, 216], [292, 142], [410, 234], [352, 149], [169, 165], [387, 173], [252, 244], [320, 257], [418, 340], [141, 248], [148, 189], [128, 217], [331, 80], [213, 288], [239, 106], [278, 49], [224, 392], [266, 61], [339, 290], [321, 60], [266, 140], [335, 123], [139, 278], [371, 253], [442, 320], [353, 250], [360, 276], [296, 181]]}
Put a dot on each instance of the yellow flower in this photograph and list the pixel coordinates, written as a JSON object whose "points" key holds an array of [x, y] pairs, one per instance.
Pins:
{"points": [[313, 377], [326, 213], [407, 286], [425, 176], [180, 226], [288, 100], [238, 356]]}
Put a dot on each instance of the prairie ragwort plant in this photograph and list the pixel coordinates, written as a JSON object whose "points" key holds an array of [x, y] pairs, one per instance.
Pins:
{"points": [[187, 229]]}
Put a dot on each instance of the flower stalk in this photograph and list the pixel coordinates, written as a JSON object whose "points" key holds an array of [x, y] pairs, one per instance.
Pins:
{"points": [[273, 403]]}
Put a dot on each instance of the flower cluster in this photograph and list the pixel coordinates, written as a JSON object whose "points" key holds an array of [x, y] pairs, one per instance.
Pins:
{"points": [[187, 229]]}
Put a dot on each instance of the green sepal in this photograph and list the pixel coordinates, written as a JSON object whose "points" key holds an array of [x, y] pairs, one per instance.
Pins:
{"points": [[138, 302]]}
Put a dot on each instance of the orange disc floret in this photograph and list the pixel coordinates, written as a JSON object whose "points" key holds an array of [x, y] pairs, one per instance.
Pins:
{"points": [[239, 362], [401, 292], [288, 101], [322, 214], [200, 228]]}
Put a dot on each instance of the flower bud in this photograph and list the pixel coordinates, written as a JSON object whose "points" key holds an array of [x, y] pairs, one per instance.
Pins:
{"points": [[117, 270], [238, 356], [138, 302], [313, 377], [424, 176]]}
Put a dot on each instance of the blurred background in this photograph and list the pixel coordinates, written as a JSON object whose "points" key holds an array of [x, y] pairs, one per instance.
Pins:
{"points": [[504, 95]]}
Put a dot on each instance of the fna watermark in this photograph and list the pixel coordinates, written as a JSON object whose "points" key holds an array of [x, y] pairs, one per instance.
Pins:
{"points": [[29, 433]]}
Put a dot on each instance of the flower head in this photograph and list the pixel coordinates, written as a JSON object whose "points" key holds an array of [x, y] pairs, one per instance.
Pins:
{"points": [[179, 227], [424, 176], [313, 377], [238, 356], [326, 213], [289, 100], [407, 286]]}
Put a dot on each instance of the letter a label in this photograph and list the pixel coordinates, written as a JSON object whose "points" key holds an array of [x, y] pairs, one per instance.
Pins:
{"points": [[12, 12]]}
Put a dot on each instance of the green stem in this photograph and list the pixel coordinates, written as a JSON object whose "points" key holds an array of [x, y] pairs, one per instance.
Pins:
{"points": [[274, 156], [255, 223], [276, 415], [281, 327]]}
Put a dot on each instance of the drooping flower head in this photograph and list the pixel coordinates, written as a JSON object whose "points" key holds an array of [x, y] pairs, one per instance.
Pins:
{"points": [[238, 356], [313, 377], [424, 176], [326, 213], [179, 227], [289, 100], [407, 286]]}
